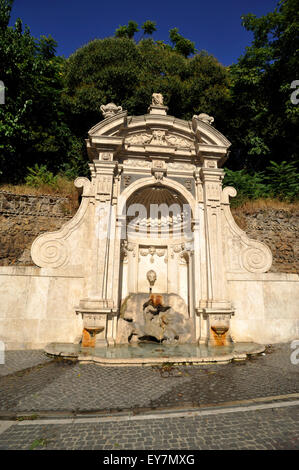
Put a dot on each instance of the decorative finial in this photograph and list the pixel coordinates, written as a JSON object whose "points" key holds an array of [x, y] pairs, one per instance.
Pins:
{"points": [[157, 99], [110, 109], [157, 106], [204, 118]]}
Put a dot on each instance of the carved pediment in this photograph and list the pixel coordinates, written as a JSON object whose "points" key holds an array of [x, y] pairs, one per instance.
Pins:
{"points": [[160, 138]]}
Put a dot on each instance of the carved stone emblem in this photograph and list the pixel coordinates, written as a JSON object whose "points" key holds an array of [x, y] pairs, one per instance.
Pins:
{"points": [[157, 99], [127, 180], [158, 138], [204, 118], [151, 277], [110, 109]]}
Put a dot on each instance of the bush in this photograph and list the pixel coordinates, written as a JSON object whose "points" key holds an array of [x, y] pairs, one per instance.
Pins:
{"points": [[280, 181], [283, 180], [40, 176], [248, 186]]}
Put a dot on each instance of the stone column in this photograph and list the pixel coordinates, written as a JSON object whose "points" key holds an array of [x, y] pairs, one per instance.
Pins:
{"points": [[99, 300], [216, 307]]}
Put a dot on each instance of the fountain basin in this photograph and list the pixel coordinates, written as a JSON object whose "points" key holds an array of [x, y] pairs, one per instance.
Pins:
{"points": [[143, 354]]}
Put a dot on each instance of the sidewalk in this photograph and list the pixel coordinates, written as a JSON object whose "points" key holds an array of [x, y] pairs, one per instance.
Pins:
{"points": [[66, 387], [57, 404], [255, 427]]}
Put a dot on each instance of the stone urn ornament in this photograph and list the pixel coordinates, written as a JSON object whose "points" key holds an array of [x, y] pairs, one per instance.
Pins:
{"points": [[110, 110]]}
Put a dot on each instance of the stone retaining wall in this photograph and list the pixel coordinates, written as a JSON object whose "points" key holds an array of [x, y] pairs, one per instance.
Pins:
{"points": [[279, 230], [22, 218]]}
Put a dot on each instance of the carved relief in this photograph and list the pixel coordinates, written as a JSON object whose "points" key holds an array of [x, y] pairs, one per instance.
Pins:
{"points": [[137, 163], [175, 141], [106, 156], [188, 185], [158, 175], [126, 248], [213, 191], [158, 138], [127, 180], [139, 139], [104, 185], [210, 164], [181, 166], [158, 169], [255, 259], [152, 250]]}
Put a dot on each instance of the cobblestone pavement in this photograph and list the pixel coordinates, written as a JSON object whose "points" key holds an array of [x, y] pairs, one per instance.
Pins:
{"points": [[20, 360], [65, 386], [276, 428]]}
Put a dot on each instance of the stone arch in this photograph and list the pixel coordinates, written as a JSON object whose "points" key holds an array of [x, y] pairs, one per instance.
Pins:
{"points": [[144, 182]]}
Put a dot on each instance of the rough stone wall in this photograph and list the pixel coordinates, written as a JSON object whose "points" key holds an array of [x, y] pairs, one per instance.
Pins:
{"points": [[279, 229], [22, 218]]}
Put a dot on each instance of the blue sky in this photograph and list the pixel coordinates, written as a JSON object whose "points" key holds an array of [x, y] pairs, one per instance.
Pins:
{"points": [[213, 25]]}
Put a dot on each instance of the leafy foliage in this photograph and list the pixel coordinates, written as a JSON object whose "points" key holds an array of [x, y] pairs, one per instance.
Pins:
{"points": [[127, 30], [281, 181], [149, 27], [33, 127], [262, 121], [181, 44], [119, 70], [39, 176], [52, 102]]}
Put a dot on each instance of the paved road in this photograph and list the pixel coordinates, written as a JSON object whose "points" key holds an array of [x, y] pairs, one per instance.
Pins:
{"points": [[263, 427], [246, 405], [70, 387]]}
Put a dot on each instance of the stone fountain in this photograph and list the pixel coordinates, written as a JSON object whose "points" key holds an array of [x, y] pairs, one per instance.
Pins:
{"points": [[161, 270], [150, 320]]}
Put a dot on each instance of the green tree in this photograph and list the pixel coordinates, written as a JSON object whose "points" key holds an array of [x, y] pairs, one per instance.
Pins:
{"points": [[262, 121], [119, 70], [5, 12], [149, 27], [181, 44], [127, 31], [32, 125]]}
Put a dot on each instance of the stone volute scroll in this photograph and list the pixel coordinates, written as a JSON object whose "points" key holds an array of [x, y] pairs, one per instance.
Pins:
{"points": [[241, 252], [53, 249]]}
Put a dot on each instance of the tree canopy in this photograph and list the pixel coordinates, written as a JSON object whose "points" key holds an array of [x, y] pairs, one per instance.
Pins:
{"points": [[263, 121], [51, 102], [128, 73]]}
